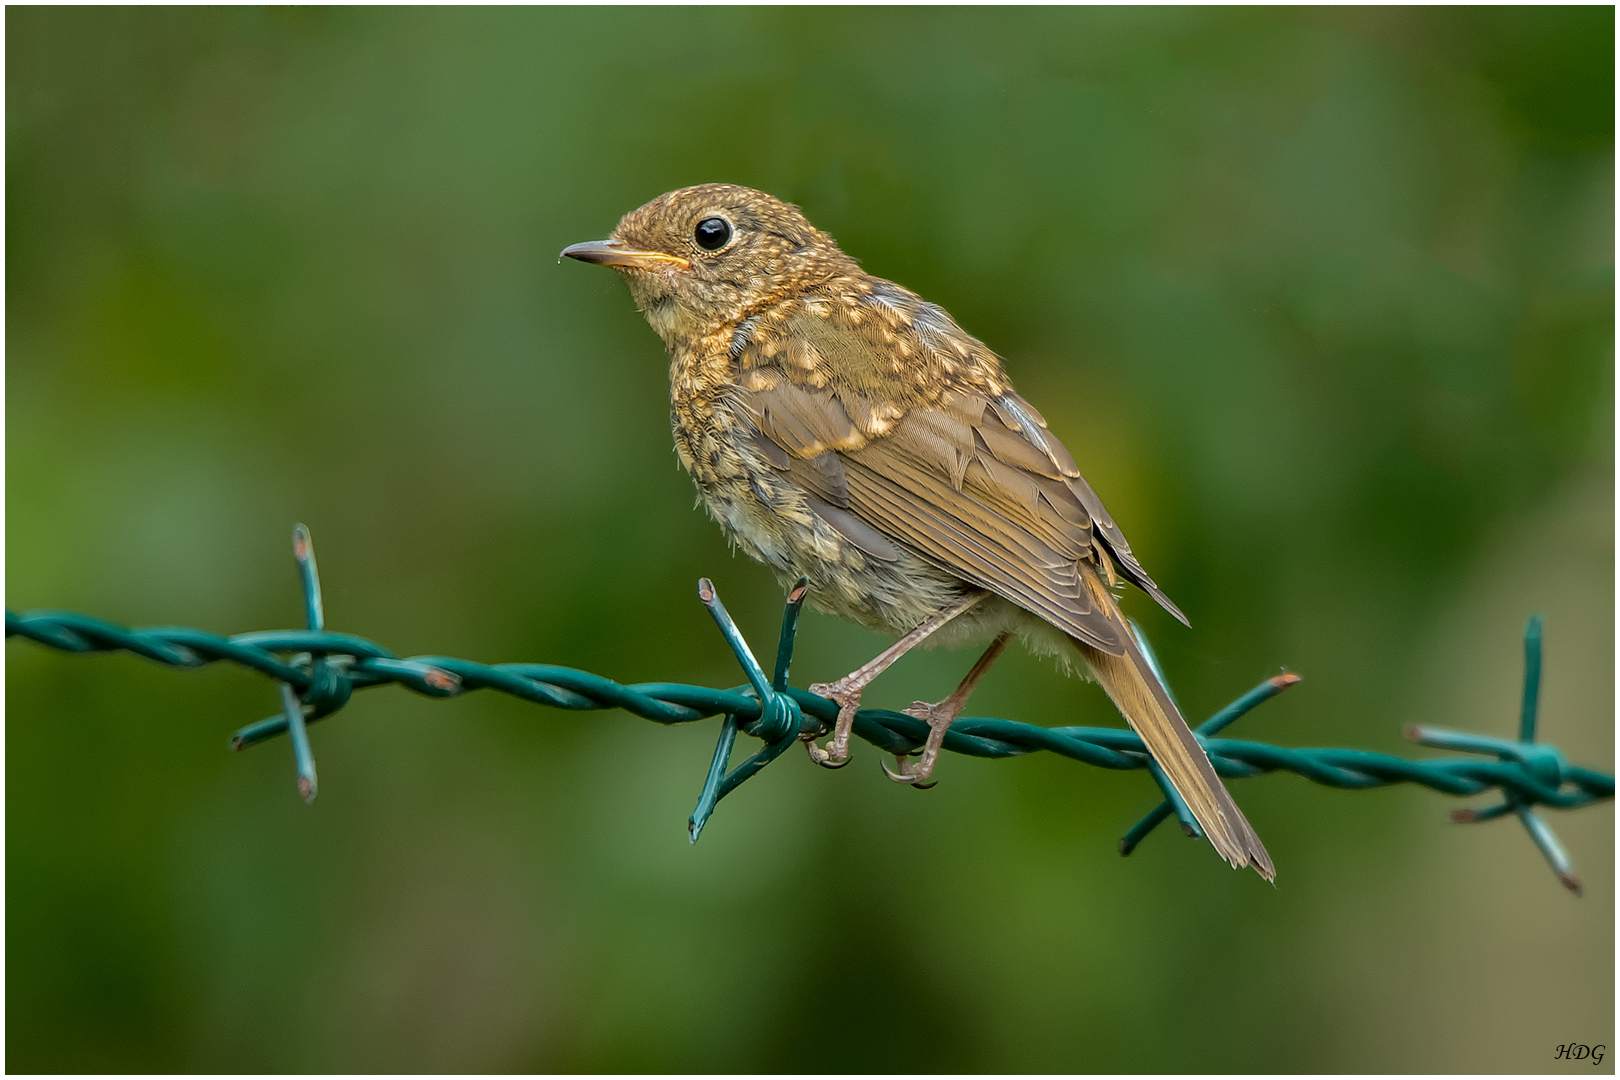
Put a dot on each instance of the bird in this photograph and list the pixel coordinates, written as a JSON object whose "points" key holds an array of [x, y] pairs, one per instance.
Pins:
{"points": [[842, 429]]}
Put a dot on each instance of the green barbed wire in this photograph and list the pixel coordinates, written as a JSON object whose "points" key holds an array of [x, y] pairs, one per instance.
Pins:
{"points": [[318, 671]]}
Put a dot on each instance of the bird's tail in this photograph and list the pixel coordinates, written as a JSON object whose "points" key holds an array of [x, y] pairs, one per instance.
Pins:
{"points": [[1146, 706]]}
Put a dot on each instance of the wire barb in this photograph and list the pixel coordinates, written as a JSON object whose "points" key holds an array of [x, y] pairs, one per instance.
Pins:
{"points": [[303, 757], [780, 719], [319, 670], [1543, 762], [309, 576], [293, 708]]}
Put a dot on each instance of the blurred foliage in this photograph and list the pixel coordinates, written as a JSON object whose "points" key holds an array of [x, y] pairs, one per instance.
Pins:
{"points": [[1322, 300]]}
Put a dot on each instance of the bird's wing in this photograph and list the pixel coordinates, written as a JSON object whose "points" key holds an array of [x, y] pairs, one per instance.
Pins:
{"points": [[961, 482]]}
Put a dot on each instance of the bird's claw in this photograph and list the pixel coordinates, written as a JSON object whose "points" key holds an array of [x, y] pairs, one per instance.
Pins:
{"points": [[917, 779], [823, 756]]}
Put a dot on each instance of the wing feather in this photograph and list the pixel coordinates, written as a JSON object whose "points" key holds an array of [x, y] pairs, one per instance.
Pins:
{"points": [[1053, 593]]}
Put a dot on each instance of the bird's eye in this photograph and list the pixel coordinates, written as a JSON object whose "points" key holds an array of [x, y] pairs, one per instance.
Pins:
{"points": [[712, 233]]}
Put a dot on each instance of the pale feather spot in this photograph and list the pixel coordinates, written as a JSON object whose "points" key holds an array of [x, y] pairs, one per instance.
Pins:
{"points": [[758, 379], [802, 354]]}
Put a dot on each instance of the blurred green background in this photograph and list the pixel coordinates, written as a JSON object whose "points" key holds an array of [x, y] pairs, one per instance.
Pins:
{"points": [[1321, 299]]}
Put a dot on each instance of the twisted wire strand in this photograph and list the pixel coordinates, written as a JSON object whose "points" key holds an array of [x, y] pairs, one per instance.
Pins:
{"points": [[356, 663]]}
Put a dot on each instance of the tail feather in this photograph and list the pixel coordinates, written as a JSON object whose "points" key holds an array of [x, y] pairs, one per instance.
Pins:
{"points": [[1141, 698]]}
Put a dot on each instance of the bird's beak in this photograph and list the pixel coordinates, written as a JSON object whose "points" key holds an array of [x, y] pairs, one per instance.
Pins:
{"points": [[618, 253]]}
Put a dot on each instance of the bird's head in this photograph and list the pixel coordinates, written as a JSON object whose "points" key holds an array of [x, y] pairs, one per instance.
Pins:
{"points": [[703, 257]]}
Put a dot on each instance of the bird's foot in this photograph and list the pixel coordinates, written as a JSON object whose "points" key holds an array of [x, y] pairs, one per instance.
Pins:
{"points": [[938, 717], [835, 755]]}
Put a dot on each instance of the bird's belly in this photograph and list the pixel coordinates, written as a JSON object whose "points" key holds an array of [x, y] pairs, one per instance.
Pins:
{"points": [[769, 519]]}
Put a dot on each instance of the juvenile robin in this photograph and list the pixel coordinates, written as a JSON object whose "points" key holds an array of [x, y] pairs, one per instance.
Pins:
{"points": [[841, 428]]}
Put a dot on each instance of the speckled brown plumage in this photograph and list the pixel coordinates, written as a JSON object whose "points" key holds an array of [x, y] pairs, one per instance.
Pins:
{"points": [[841, 428]]}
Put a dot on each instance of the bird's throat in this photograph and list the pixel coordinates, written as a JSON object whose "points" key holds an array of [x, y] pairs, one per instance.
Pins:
{"points": [[671, 321]]}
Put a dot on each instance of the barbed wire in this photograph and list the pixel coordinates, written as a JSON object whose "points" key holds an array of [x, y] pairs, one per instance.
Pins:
{"points": [[318, 671]]}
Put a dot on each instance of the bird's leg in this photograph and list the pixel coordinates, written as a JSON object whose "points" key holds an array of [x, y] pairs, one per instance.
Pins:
{"points": [[847, 691], [940, 716]]}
